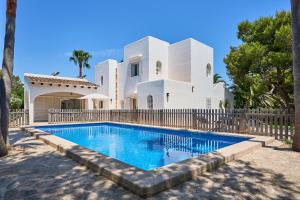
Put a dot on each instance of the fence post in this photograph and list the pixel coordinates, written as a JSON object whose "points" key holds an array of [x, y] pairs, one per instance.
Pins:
{"points": [[242, 121], [194, 119], [110, 115], [49, 116], [161, 117]]}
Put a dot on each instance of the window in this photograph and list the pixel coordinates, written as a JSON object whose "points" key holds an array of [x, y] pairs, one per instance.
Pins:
{"points": [[101, 80], [101, 104], [158, 67], [134, 69], [150, 102], [208, 103], [208, 69]]}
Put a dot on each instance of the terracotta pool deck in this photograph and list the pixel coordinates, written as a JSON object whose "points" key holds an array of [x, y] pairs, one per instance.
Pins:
{"points": [[37, 171]]}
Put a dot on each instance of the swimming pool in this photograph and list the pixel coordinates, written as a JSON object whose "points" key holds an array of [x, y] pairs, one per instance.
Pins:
{"points": [[143, 147]]}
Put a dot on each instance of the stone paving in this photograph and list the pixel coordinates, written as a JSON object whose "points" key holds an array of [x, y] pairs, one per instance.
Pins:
{"points": [[34, 170]]}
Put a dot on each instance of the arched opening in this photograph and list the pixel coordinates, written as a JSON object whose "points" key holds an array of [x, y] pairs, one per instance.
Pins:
{"points": [[208, 69], [56, 100], [158, 67], [101, 81], [150, 102]]}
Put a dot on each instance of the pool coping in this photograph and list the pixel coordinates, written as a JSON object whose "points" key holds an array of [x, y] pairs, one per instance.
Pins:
{"points": [[147, 183]]}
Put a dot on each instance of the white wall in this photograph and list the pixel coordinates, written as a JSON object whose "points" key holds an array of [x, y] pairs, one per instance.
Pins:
{"points": [[41, 107], [201, 56], [184, 66], [158, 51], [43, 103], [120, 85], [32, 91], [154, 88], [188, 61], [180, 61], [180, 95], [221, 93], [146, 52], [36, 89], [185, 62], [107, 70], [135, 52]]}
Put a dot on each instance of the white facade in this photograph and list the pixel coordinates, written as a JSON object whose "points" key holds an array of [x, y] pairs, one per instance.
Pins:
{"points": [[223, 97], [43, 92], [105, 77], [153, 75], [176, 75]]}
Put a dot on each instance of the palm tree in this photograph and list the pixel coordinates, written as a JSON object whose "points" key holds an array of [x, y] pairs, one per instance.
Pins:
{"points": [[295, 7], [81, 58], [7, 72]]}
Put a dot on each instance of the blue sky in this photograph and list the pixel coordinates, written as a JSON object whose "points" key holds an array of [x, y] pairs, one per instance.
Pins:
{"points": [[48, 30]]}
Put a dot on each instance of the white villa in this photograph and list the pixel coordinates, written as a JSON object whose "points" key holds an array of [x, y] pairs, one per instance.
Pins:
{"points": [[154, 74]]}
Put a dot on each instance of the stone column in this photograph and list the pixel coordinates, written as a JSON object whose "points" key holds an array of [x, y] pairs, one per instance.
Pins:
{"points": [[30, 107]]}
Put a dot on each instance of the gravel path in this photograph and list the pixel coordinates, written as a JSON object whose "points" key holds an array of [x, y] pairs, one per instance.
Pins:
{"points": [[34, 170]]}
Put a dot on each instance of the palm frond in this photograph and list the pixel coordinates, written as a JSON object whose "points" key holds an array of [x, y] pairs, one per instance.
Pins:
{"points": [[73, 59], [87, 65], [81, 58], [218, 79]]}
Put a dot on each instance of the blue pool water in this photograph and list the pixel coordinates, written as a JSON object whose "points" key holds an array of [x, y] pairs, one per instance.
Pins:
{"points": [[143, 147]]}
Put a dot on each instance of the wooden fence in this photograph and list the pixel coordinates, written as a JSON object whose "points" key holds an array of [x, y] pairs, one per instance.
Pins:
{"points": [[277, 123], [18, 118]]}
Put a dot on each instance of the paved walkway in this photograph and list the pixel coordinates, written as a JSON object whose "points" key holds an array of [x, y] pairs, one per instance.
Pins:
{"points": [[34, 170]]}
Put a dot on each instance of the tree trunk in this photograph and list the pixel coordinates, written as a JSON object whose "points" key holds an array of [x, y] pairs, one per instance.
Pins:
{"points": [[7, 72], [3, 149], [295, 7], [80, 70]]}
